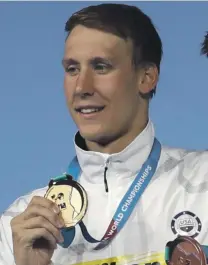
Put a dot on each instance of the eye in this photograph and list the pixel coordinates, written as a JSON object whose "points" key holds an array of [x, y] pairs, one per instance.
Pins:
{"points": [[102, 68], [72, 70], [60, 196]]}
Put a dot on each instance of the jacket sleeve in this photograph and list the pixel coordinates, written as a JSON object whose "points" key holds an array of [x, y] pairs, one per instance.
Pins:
{"points": [[6, 252], [6, 243], [17, 207]]}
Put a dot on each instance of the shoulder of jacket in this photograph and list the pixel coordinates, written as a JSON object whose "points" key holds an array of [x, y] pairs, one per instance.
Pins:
{"points": [[192, 164], [195, 157]]}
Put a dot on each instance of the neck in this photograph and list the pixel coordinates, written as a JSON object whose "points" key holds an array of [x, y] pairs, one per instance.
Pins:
{"points": [[119, 143]]}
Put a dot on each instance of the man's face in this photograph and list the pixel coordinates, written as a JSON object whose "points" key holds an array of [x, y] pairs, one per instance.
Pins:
{"points": [[101, 84]]}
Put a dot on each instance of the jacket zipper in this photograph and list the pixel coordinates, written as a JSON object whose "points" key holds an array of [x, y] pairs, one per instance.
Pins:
{"points": [[105, 178]]}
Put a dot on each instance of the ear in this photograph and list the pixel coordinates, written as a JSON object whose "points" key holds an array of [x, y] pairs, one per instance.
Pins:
{"points": [[147, 78]]}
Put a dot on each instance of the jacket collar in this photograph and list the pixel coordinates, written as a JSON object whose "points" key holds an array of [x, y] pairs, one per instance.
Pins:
{"points": [[127, 162]]}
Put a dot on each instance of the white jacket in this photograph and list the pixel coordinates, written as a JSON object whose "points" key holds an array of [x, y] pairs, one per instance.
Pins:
{"points": [[175, 202]]}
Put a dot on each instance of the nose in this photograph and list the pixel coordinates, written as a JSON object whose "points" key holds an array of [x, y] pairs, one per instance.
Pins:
{"points": [[84, 85]]}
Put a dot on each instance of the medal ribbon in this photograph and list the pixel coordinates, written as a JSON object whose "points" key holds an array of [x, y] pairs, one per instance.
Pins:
{"points": [[129, 200]]}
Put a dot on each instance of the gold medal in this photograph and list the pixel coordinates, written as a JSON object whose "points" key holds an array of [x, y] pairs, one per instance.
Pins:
{"points": [[70, 197]]}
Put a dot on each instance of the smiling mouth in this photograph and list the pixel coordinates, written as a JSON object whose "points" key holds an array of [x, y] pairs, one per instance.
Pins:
{"points": [[89, 110]]}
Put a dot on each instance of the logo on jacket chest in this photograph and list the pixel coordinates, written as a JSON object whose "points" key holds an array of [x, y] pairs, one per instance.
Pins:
{"points": [[186, 224]]}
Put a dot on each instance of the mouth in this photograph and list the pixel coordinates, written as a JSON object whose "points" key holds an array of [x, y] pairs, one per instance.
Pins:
{"points": [[62, 206], [89, 109]]}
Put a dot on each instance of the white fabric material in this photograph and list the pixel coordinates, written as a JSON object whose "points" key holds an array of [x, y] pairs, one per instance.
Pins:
{"points": [[179, 185]]}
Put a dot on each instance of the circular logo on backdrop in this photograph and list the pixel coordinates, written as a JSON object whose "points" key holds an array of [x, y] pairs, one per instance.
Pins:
{"points": [[186, 224]]}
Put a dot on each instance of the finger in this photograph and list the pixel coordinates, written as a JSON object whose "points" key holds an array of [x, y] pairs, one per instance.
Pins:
{"points": [[37, 210], [41, 222], [44, 202]]}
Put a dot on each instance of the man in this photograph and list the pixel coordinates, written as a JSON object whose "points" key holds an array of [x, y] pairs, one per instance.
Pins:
{"points": [[112, 63]]}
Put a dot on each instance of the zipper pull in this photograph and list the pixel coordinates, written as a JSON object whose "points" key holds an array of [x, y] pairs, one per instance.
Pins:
{"points": [[105, 179]]}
